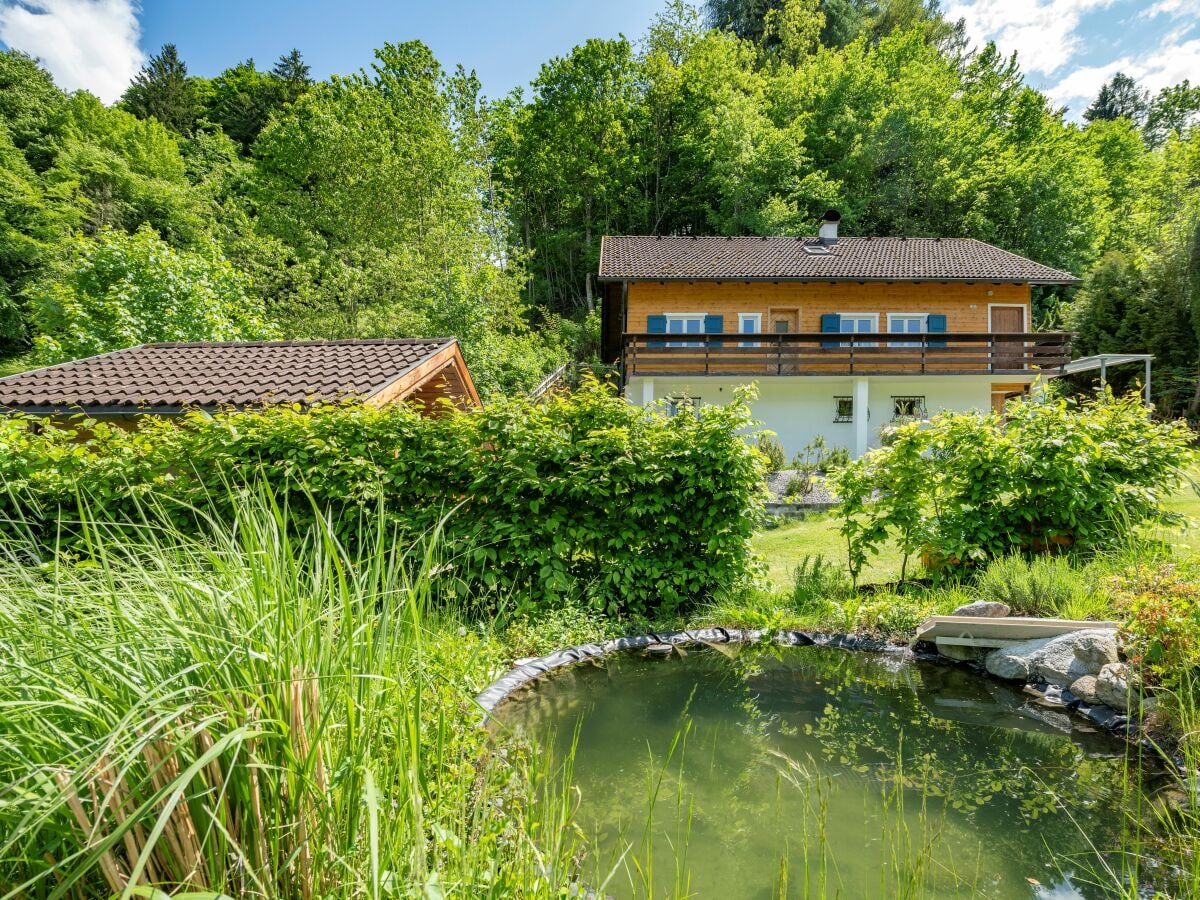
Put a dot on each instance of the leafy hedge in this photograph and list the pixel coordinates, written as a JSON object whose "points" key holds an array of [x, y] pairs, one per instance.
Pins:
{"points": [[964, 488], [634, 511]]}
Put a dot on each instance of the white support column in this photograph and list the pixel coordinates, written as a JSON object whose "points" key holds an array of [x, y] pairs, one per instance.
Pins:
{"points": [[647, 391], [862, 432]]}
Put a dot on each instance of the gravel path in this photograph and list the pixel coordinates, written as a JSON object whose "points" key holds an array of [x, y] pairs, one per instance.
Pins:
{"points": [[777, 483]]}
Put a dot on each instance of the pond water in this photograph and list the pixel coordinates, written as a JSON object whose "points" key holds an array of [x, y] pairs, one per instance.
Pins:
{"points": [[808, 771]]}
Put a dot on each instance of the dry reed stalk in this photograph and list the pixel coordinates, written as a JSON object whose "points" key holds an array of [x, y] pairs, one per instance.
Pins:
{"points": [[259, 828], [302, 747], [181, 830], [313, 696], [120, 804], [108, 864]]}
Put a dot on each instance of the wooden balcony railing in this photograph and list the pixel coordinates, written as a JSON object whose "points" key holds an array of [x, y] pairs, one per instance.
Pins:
{"points": [[845, 354]]}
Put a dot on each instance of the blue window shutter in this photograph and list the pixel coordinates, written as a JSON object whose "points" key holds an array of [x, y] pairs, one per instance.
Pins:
{"points": [[936, 324], [714, 325], [831, 323], [656, 325]]}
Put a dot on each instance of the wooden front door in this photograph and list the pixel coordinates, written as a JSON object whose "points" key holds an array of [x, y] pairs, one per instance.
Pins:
{"points": [[1005, 320]]}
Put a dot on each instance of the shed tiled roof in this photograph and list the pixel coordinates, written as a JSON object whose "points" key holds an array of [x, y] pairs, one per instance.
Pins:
{"points": [[171, 377], [653, 258]]}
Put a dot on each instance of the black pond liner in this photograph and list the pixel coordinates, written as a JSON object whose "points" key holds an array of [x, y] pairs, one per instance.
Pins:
{"points": [[1100, 716]]}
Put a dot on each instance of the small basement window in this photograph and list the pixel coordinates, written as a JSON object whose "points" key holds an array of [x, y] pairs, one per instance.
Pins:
{"points": [[908, 408], [843, 409]]}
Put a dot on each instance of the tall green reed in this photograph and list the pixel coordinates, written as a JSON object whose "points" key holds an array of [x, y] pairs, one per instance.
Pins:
{"points": [[257, 712]]}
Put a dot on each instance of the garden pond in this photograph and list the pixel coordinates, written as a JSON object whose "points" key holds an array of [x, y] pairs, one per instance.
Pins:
{"points": [[741, 773]]}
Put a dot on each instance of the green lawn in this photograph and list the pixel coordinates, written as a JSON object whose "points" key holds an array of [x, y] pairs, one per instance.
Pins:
{"points": [[785, 547]]}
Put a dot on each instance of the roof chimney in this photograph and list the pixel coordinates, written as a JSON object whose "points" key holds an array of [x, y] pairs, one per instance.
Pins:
{"points": [[829, 226]]}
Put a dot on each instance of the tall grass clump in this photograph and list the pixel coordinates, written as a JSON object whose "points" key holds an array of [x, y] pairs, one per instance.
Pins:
{"points": [[256, 712], [1043, 586]]}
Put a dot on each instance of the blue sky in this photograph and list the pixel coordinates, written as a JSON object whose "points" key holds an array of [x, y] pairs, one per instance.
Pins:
{"points": [[1067, 47]]}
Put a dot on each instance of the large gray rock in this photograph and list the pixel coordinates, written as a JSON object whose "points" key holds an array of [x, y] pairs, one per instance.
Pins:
{"points": [[1016, 662], [1084, 688], [1113, 686], [1060, 660], [983, 608], [1069, 657]]}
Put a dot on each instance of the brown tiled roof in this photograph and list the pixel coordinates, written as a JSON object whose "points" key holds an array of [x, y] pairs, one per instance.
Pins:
{"points": [[172, 377], [633, 257]]}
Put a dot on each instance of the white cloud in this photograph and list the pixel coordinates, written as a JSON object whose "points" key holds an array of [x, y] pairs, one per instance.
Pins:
{"points": [[1041, 31], [88, 44], [1168, 64], [1173, 8]]}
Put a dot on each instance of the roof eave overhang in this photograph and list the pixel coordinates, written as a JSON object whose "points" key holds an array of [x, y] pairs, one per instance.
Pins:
{"points": [[811, 279], [102, 411]]}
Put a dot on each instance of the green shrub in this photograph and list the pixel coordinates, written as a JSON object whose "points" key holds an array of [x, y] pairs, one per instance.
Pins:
{"points": [[816, 457], [837, 458], [799, 486], [639, 513], [552, 629], [1162, 609], [965, 488], [895, 614], [772, 450]]}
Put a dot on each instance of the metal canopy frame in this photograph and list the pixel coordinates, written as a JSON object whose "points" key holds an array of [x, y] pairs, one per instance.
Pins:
{"points": [[1102, 361]]}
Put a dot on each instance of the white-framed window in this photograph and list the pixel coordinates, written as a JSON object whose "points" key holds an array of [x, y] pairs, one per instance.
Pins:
{"points": [[859, 323], [908, 408], [907, 323], [685, 323], [843, 409], [749, 323]]}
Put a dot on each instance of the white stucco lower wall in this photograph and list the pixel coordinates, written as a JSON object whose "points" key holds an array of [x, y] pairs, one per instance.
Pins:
{"points": [[799, 408]]}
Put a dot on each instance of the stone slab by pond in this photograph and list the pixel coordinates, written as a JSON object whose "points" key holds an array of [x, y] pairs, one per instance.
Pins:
{"points": [[993, 631]]}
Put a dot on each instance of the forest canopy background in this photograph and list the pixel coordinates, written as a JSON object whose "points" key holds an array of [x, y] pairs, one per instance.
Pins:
{"points": [[398, 201]]}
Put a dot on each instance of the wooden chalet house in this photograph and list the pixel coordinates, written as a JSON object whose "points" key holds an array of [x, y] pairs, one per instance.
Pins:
{"points": [[842, 335]]}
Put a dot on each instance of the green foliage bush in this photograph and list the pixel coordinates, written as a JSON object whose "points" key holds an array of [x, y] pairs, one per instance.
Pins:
{"points": [[799, 486], [1162, 609], [966, 488], [772, 450], [636, 512]]}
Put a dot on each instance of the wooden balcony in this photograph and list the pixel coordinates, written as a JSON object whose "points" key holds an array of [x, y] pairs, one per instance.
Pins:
{"points": [[845, 354]]}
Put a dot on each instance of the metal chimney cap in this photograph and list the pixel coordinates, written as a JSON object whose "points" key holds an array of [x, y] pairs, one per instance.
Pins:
{"points": [[831, 215]]}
